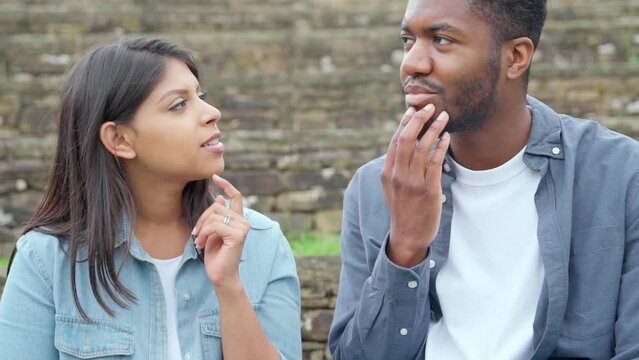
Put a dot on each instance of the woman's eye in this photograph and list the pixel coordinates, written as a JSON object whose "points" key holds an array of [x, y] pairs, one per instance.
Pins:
{"points": [[179, 106], [202, 95]]}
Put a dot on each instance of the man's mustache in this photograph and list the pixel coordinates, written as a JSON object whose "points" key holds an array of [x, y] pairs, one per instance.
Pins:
{"points": [[421, 82]]}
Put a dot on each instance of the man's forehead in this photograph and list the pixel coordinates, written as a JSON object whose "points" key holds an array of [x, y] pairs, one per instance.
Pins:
{"points": [[452, 11], [441, 5]]}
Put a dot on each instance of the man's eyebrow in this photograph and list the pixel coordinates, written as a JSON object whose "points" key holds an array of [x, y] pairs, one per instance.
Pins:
{"points": [[442, 27], [435, 27]]}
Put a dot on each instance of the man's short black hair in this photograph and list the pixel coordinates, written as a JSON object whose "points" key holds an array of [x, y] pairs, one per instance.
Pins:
{"points": [[510, 19]]}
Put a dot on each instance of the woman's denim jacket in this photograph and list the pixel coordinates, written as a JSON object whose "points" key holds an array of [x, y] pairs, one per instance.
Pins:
{"points": [[38, 318]]}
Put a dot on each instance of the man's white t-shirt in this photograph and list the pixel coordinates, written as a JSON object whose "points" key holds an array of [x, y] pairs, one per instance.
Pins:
{"points": [[490, 284], [168, 270]]}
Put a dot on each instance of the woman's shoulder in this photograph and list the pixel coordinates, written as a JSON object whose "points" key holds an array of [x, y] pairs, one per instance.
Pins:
{"points": [[259, 221], [266, 256], [40, 242], [265, 240], [264, 233]]}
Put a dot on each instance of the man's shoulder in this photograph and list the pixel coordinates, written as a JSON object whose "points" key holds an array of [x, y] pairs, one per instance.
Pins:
{"points": [[371, 170], [373, 166], [366, 184], [588, 136]]}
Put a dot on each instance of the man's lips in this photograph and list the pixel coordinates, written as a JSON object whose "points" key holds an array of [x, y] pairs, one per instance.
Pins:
{"points": [[418, 101], [419, 96]]}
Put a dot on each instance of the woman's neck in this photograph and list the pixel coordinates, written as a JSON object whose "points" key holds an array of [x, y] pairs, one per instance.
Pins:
{"points": [[159, 222]]}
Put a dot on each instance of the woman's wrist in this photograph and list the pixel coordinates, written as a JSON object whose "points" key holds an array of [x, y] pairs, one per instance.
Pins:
{"points": [[229, 288]]}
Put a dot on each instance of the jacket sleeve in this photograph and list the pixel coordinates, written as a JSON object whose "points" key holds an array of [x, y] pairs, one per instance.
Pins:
{"points": [[627, 324], [280, 306], [26, 309], [383, 312]]}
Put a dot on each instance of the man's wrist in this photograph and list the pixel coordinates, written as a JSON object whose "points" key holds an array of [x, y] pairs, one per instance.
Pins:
{"points": [[406, 257]]}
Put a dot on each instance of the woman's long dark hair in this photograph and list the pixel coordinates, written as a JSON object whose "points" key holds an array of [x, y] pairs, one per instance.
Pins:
{"points": [[88, 197]]}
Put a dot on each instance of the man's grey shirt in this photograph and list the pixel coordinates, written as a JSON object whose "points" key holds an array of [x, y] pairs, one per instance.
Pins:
{"points": [[588, 230]]}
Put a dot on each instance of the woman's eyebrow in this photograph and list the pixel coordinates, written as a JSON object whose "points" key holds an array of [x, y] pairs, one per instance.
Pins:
{"points": [[172, 92]]}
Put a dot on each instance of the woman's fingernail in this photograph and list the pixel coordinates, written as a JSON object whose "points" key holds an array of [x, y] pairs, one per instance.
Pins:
{"points": [[194, 231], [429, 107]]}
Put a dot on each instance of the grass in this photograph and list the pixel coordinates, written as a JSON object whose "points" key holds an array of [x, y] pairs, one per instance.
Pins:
{"points": [[4, 261], [306, 243]]}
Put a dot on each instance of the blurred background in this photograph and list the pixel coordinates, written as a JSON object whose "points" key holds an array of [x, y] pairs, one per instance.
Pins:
{"points": [[308, 91]]}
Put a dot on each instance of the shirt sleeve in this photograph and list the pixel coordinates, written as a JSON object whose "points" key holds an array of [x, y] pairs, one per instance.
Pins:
{"points": [[381, 313], [280, 307], [27, 309], [627, 324]]}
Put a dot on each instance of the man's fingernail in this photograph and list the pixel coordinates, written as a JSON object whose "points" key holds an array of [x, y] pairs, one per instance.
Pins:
{"points": [[194, 231], [429, 107]]}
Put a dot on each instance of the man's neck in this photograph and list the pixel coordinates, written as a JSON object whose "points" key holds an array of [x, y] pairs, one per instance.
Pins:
{"points": [[503, 135]]}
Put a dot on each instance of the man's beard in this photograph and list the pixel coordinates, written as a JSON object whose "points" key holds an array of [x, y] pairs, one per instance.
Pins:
{"points": [[475, 100]]}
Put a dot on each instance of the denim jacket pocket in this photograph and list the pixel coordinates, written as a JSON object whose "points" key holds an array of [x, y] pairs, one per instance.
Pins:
{"points": [[212, 333], [77, 338]]}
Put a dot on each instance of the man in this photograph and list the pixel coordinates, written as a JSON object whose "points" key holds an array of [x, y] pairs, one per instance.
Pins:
{"points": [[506, 231]]}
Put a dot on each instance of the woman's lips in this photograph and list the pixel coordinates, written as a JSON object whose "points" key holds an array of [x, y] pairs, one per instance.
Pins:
{"points": [[214, 146], [217, 148]]}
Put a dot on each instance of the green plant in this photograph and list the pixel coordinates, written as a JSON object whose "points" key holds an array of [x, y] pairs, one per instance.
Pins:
{"points": [[308, 243]]}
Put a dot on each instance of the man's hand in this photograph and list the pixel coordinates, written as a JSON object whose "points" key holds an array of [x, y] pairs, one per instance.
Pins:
{"points": [[412, 185]]}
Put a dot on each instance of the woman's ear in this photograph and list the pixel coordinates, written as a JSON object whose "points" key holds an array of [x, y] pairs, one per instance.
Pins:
{"points": [[118, 140], [520, 56]]}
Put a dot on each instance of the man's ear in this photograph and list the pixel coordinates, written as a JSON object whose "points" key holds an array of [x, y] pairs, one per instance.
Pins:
{"points": [[118, 140], [519, 57]]}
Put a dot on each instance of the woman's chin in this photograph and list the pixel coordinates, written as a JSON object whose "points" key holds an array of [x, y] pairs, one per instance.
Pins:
{"points": [[212, 170]]}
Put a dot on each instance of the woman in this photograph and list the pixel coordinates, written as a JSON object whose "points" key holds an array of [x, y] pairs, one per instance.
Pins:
{"points": [[130, 256]]}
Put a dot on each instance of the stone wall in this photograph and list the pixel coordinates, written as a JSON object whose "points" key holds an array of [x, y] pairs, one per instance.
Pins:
{"points": [[308, 90]]}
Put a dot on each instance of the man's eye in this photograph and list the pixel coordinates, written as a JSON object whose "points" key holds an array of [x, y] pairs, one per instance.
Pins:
{"points": [[407, 40], [440, 40]]}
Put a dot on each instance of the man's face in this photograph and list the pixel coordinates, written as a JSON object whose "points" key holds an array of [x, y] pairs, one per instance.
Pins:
{"points": [[450, 60]]}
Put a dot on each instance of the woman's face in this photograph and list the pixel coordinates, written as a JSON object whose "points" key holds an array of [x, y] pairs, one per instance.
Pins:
{"points": [[175, 131]]}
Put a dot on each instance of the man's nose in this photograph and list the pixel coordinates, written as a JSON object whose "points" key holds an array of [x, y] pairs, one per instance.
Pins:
{"points": [[417, 61]]}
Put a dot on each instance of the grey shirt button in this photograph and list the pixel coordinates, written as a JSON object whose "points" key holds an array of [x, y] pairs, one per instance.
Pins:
{"points": [[556, 150], [446, 167], [431, 264], [403, 331], [187, 296], [443, 198], [412, 284]]}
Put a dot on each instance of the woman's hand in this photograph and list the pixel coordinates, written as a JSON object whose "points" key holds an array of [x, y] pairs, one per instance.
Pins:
{"points": [[221, 232]]}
